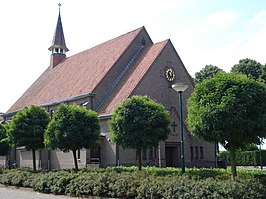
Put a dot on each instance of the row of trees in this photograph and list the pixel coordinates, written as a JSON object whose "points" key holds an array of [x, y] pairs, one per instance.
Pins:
{"points": [[138, 123], [248, 67], [229, 108], [71, 128]]}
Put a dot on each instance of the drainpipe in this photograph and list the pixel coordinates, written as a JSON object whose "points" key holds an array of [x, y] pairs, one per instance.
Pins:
{"points": [[49, 161]]}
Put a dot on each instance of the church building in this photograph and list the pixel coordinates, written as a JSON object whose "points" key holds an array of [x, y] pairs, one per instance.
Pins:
{"points": [[100, 78]]}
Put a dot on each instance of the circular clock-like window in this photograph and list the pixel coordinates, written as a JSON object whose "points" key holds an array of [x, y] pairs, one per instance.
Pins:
{"points": [[170, 74]]}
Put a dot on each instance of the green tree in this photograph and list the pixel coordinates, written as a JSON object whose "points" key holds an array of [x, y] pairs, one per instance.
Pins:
{"points": [[27, 129], [229, 109], [207, 72], [263, 74], [249, 67], [72, 128], [250, 147], [4, 145], [139, 123]]}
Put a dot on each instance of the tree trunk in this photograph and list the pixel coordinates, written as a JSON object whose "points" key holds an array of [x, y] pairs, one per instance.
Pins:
{"points": [[139, 159], [75, 159], [232, 153], [34, 159]]}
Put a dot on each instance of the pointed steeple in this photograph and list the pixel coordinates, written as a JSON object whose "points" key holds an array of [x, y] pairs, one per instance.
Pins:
{"points": [[58, 47]]}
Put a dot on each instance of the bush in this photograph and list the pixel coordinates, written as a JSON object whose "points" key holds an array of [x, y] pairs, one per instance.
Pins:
{"points": [[18, 177], [53, 182], [127, 182], [245, 158]]}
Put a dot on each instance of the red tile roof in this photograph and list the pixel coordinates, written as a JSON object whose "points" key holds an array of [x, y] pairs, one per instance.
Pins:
{"points": [[77, 74], [133, 79]]}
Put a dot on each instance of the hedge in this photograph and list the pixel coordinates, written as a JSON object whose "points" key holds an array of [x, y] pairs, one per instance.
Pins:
{"points": [[154, 183], [245, 158]]}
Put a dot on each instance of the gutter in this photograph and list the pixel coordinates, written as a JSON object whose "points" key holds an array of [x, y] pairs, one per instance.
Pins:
{"points": [[55, 102], [68, 99]]}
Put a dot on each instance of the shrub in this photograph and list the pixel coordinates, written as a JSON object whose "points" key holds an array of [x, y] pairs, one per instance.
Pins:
{"points": [[127, 182], [19, 177], [53, 182], [245, 158]]}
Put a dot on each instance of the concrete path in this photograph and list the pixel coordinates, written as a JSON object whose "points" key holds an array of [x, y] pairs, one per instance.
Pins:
{"points": [[14, 193]]}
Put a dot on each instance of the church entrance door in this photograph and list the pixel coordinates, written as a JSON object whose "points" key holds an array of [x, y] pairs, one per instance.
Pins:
{"points": [[172, 156], [95, 155]]}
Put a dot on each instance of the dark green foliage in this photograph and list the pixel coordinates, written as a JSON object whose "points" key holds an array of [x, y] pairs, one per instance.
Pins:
{"points": [[207, 72], [139, 123], [72, 128], [195, 183], [263, 74], [4, 145], [53, 182], [249, 67], [28, 126], [27, 129], [250, 147], [17, 177], [163, 187], [229, 109], [245, 158]]}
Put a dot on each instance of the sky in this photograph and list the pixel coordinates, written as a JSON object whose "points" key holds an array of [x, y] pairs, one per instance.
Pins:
{"points": [[217, 32]]}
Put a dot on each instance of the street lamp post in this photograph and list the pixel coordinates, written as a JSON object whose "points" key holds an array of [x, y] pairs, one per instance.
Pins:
{"points": [[180, 88]]}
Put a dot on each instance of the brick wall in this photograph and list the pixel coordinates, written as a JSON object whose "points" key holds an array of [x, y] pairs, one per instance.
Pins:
{"points": [[61, 160]]}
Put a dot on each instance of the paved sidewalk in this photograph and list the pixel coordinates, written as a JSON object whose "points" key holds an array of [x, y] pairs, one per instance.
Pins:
{"points": [[15, 193]]}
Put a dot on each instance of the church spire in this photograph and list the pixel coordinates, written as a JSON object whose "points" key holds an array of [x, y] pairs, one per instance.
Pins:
{"points": [[58, 47]]}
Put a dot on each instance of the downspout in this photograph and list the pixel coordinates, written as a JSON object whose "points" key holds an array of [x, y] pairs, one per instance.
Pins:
{"points": [[117, 155], [49, 161]]}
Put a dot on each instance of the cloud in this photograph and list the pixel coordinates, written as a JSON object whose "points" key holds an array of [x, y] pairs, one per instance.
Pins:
{"points": [[223, 41]]}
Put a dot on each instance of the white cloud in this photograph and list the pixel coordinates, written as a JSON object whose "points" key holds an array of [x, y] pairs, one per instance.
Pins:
{"points": [[239, 38]]}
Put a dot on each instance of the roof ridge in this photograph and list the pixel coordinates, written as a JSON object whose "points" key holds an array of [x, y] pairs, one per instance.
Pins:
{"points": [[120, 36]]}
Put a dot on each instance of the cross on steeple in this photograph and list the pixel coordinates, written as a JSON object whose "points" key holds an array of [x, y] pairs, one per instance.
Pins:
{"points": [[174, 125], [59, 5]]}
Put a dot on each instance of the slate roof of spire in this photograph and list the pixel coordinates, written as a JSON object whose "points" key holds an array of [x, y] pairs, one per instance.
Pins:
{"points": [[77, 74], [59, 38]]}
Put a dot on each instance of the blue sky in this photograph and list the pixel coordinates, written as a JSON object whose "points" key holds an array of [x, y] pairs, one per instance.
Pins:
{"points": [[218, 32]]}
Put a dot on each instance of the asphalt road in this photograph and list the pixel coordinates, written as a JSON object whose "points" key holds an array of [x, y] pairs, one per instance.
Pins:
{"points": [[13, 193]]}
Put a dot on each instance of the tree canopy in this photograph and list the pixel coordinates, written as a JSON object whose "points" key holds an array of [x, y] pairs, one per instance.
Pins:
{"points": [[249, 67], [250, 147], [72, 128], [4, 145], [230, 109], [263, 74], [27, 129], [139, 123], [207, 72]]}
